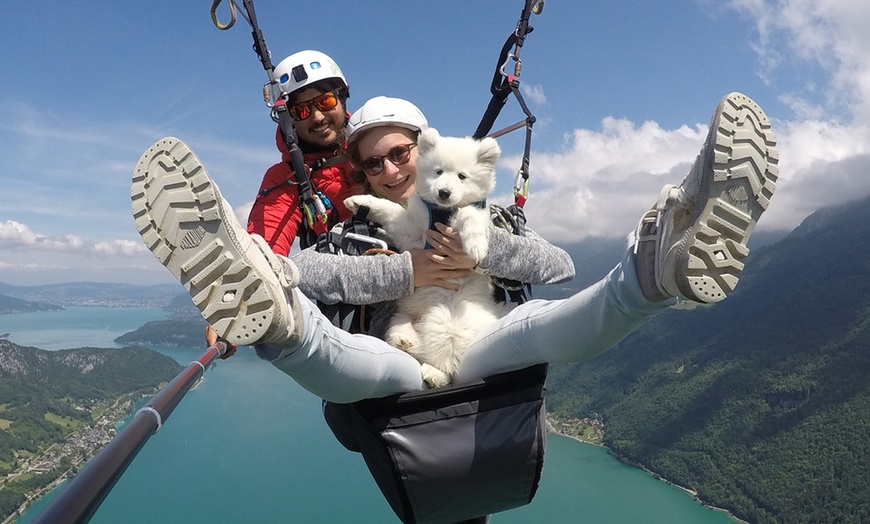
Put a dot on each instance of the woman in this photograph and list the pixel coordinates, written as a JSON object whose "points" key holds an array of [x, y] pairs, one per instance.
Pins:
{"points": [[250, 295], [379, 133], [380, 143]]}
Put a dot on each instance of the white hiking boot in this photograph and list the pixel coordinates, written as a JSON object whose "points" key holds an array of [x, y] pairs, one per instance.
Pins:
{"points": [[692, 243], [242, 289]]}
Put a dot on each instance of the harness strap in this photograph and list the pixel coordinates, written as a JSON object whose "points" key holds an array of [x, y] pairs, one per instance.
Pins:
{"points": [[501, 81], [500, 91], [503, 84], [317, 207], [323, 163], [317, 165], [314, 210], [513, 219], [443, 215]]}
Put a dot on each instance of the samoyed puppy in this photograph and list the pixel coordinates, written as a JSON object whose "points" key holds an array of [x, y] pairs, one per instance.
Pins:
{"points": [[436, 325]]}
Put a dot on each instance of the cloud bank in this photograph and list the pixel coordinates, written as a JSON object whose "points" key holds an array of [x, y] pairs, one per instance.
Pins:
{"points": [[604, 178]]}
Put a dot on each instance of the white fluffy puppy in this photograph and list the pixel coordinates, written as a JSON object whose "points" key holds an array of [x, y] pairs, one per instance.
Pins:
{"points": [[434, 324]]}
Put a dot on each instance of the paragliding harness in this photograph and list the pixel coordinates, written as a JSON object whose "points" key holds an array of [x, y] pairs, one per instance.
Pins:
{"points": [[357, 236], [464, 451], [317, 216]]}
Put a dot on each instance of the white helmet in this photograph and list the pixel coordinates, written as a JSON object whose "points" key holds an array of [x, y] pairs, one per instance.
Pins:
{"points": [[302, 69], [385, 111]]}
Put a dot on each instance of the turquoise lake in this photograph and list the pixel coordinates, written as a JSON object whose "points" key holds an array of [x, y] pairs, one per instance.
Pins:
{"points": [[250, 446]]}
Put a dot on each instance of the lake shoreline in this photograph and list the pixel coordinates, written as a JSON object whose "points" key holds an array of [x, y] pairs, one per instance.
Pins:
{"points": [[551, 428], [102, 431]]}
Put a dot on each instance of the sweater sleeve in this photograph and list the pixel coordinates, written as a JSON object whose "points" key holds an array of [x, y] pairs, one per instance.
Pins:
{"points": [[354, 279], [529, 259]]}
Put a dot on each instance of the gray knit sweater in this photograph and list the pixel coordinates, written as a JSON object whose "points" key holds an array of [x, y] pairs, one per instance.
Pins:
{"points": [[382, 279]]}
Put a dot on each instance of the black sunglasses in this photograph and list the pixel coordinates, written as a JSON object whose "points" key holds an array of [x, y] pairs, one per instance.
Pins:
{"points": [[398, 155]]}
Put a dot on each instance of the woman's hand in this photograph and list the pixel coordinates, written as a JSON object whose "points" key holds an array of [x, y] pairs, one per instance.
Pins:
{"points": [[448, 247], [446, 260]]}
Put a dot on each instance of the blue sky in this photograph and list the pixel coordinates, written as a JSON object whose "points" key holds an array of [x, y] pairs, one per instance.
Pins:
{"points": [[622, 90]]}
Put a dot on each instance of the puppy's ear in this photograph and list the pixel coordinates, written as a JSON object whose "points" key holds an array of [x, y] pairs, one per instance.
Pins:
{"points": [[488, 151], [427, 139]]}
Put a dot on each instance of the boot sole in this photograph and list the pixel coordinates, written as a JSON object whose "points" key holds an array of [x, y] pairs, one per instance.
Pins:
{"points": [[741, 169], [180, 215]]}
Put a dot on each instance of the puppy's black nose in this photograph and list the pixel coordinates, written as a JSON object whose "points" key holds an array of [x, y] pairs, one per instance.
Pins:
{"points": [[443, 194]]}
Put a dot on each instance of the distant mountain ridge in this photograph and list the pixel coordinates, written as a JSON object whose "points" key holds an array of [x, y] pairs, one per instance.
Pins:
{"points": [[761, 404], [16, 305], [95, 294]]}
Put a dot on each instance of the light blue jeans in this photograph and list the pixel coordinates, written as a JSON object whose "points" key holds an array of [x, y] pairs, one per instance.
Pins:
{"points": [[340, 367]]}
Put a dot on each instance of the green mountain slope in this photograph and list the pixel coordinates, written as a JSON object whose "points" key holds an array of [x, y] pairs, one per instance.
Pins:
{"points": [[185, 333], [761, 403], [34, 382], [48, 397], [16, 305]]}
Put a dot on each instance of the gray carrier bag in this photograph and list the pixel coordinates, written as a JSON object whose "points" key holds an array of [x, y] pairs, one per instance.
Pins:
{"points": [[452, 454]]}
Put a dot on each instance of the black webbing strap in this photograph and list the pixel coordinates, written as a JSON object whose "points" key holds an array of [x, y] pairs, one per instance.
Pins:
{"points": [[503, 84], [500, 90], [513, 219], [311, 205]]}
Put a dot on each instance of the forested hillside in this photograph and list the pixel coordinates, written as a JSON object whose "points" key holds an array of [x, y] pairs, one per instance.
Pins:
{"points": [[760, 403], [184, 333], [46, 395], [16, 305], [34, 382]]}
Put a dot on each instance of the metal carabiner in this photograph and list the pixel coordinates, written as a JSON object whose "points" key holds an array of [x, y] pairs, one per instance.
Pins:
{"points": [[517, 68], [218, 23]]}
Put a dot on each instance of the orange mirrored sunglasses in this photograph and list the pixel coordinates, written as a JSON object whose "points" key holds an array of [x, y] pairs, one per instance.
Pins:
{"points": [[324, 102]]}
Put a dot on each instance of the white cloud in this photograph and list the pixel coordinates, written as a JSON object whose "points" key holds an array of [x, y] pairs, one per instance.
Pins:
{"points": [[534, 93], [119, 248], [17, 236], [28, 258], [824, 156], [605, 178], [13, 234], [830, 34]]}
